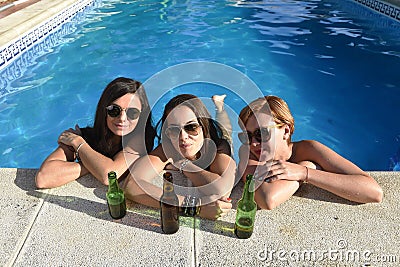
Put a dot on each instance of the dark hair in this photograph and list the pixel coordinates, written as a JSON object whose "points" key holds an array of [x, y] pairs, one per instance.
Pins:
{"points": [[210, 127], [100, 136]]}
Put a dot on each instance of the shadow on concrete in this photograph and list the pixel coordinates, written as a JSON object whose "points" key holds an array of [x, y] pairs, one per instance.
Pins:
{"points": [[100, 211], [218, 227], [305, 191], [311, 192], [25, 179]]}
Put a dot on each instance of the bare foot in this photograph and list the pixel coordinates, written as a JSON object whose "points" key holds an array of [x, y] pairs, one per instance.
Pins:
{"points": [[219, 102]]}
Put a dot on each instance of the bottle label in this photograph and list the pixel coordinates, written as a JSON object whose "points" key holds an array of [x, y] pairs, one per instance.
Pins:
{"points": [[244, 227]]}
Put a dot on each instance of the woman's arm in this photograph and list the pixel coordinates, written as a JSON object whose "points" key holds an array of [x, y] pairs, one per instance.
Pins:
{"points": [[59, 168], [138, 185], [216, 182], [99, 165], [338, 175], [267, 195]]}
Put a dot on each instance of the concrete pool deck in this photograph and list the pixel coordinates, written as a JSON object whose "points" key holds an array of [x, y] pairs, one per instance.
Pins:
{"points": [[70, 226]]}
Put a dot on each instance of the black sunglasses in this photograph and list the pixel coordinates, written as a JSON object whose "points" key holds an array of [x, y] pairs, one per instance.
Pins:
{"points": [[115, 110], [261, 135], [191, 128]]}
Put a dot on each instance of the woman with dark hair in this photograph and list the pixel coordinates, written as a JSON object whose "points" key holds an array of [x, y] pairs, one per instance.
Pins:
{"points": [[193, 149], [122, 132]]}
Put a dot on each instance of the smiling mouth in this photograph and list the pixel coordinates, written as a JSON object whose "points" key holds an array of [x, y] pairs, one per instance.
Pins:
{"points": [[185, 145], [257, 151], [121, 126]]}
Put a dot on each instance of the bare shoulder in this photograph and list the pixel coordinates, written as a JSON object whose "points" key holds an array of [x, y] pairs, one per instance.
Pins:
{"points": [[322, 155], [312, 151], [309, 147], [304, 144]]}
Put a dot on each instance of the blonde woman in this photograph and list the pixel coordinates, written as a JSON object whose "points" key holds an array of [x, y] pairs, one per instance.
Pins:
{"points": [[268, 152]]}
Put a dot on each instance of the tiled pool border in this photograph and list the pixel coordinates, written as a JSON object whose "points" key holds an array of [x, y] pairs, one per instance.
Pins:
{"points": [[384, 8], [16, 47]]}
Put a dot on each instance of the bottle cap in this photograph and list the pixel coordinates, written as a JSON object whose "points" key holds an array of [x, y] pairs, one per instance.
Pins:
{"points": [[168, 176]]}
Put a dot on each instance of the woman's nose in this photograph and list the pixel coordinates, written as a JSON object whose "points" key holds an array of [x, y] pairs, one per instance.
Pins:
{"points": [[253, 141], [122, 115], [183, 134]]}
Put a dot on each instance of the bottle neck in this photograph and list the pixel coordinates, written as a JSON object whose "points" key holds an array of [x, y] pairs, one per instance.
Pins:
{"points": [[248, 192], [113, 184], [168, 188]]}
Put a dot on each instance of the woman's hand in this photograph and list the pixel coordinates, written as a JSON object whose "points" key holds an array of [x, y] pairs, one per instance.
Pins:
{"points": [[71, 137], [281, 170], [216, 209]]}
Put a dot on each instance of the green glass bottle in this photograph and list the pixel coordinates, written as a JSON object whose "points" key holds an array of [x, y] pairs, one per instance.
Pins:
{"points": [[115, 197], [246, 210], [169, 206]]}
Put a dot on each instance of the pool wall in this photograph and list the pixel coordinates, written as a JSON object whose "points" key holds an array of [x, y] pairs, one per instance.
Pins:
{"points": [[388, 8], [22, 30]]}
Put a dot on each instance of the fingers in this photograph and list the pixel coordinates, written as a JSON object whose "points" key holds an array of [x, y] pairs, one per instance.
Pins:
{"points": [[271, 171], [226, 199], [282, 170], [223, 207], [266, 170], [78, 129]]}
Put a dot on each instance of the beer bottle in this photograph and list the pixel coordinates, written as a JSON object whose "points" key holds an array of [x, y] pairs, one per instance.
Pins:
{"points": [[169, 206], [115, 197], [246, 210]]}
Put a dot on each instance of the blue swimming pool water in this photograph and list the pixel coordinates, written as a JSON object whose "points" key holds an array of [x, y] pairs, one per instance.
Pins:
{"points": [[334, 62]]}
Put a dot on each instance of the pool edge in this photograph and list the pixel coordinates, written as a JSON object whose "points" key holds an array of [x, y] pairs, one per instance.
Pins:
{"points": [[31, 25]]}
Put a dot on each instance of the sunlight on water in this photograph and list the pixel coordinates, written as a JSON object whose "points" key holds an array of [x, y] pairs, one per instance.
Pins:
{"points": [[329, 60]]}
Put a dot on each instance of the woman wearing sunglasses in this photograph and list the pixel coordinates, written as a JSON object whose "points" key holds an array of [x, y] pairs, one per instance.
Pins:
{"points": [[281, 165], [122, 132], [192, 148]]}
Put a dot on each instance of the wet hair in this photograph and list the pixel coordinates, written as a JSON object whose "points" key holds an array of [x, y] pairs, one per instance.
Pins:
{"points": [[210, 127], [273, 105], [100, 136]]}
